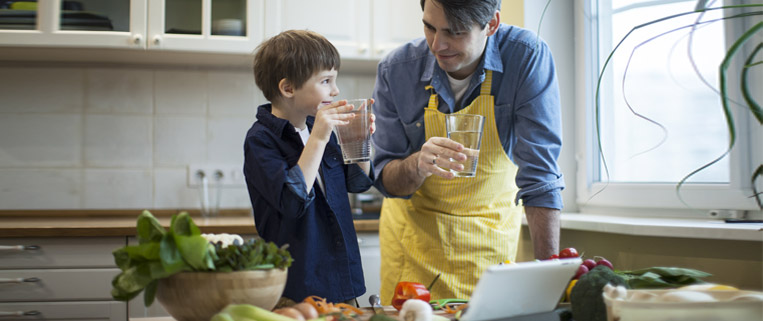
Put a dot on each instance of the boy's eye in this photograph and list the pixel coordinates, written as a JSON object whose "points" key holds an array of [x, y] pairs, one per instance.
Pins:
{"points": [[325, 81]]}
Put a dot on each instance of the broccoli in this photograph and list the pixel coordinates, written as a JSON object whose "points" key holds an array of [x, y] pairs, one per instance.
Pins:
{"points": [[585, 298]]}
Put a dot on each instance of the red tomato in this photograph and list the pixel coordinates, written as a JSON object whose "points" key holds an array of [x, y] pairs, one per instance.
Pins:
{"points": [[554, 257], [409, 290], [568, 252]]}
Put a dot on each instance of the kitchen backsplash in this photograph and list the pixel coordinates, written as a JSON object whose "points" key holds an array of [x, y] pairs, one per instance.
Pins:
{"points": [[122, 137]]}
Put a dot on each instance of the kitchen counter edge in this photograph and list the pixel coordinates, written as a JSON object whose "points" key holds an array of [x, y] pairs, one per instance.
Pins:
{"points": [[90, 223]]}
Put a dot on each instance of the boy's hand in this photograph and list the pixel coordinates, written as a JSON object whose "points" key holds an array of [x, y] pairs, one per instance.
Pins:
{"points": [[328, 117], [373, 117]]}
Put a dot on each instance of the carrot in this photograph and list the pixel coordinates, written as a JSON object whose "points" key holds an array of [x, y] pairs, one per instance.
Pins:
{"points": [[448, 309], [324, 307], [349, 307]]}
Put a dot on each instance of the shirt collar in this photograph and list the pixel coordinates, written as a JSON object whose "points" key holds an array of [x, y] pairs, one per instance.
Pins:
{"points": [[278, 125]]}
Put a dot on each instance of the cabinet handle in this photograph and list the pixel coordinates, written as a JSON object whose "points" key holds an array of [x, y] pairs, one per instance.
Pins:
{"points": [[19, 248], [157, 40], [137, 39], [19, 313], [19, 280]]}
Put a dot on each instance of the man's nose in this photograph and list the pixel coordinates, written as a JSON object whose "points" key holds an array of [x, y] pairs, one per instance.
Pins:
{"points": [[439, 42]]}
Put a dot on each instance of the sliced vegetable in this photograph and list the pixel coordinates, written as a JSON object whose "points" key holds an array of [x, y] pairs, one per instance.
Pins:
{"points": [[323, 307], [246, 312], [409, 290], [416, 310]]}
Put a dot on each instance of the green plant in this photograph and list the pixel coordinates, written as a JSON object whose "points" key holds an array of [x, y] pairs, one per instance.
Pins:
{"points": [[161, 253]]}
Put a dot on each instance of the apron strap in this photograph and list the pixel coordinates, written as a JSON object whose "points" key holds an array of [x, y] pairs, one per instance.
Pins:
{"points": [[432, 97], [487, 84]]}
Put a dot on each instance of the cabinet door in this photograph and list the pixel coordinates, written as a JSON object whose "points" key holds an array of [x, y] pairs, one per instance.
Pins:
{"points": [[370, 256], [56, 284], [83, 23], [55, 252], [230, 26], [395, 22], [92, 311], [346, 23]]}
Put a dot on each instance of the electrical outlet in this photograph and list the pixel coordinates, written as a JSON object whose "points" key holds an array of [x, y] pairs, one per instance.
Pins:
{"points": [[223, 174]]}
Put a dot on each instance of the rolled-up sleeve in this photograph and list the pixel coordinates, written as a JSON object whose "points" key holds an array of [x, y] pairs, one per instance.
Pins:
{"points": [[391, 142], [538, 131]]}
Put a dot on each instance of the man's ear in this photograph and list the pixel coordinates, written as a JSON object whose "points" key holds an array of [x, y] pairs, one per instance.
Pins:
{"points": [[492, 25], [286, 88]]}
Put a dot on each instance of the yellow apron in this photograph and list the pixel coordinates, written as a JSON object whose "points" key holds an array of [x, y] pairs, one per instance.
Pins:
{"points": [[456, 228]]}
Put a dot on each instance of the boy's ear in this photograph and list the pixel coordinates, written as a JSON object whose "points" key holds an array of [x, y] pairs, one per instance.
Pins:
{"points": [[286, 88]]}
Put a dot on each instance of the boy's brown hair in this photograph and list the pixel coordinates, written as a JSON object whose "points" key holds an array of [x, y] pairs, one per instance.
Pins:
{"points": [[295, 55]]}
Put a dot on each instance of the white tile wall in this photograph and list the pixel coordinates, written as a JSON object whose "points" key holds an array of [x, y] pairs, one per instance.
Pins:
{"points": [[179, 140], [117, 188], [41, 140], [119, 91], [47, 89], [107, 137], [118, 140]]}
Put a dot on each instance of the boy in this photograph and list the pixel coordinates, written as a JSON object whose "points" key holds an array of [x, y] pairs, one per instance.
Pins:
{"points": [[297, 180]]}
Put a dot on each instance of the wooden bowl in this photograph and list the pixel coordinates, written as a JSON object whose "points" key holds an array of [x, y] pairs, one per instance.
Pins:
{"points": [[190, 296]]}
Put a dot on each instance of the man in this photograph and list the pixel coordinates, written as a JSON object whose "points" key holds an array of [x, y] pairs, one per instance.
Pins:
{"points": [[432, 223]]}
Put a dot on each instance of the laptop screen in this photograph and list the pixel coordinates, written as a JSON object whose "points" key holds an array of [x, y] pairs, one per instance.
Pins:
{"points": [[509, 290]]}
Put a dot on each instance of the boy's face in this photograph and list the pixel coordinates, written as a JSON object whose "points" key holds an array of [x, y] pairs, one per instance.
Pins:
{"points": [[457, 52], [317, 91]]}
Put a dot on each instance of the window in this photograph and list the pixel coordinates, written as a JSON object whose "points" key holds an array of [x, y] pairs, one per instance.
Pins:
{"points": [[659, 121]]}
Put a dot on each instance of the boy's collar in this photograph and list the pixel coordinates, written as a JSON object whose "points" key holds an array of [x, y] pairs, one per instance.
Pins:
{"points": [[275, 124]]}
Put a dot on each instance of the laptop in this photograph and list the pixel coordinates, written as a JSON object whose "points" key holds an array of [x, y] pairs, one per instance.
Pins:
{"points": [[511, 290]]}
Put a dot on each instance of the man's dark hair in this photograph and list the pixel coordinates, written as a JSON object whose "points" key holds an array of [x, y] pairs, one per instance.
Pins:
{"points": [[294, 55], [461, 14]]}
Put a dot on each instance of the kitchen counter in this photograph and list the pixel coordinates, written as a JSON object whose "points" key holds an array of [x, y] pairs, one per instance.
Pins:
{"points": [[76, 223]]}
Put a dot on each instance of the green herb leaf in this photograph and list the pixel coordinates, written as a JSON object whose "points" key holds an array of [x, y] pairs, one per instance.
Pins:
{"points": [[149, 228]]}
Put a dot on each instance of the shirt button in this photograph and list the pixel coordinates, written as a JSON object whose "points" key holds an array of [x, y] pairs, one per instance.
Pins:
{"points": [[418, 124]]}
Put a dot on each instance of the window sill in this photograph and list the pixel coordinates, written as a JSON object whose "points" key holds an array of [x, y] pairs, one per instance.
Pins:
{"points": [[663, 227]]}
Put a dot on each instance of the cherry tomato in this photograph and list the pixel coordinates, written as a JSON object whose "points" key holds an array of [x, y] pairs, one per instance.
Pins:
{"points": [[568, 252], [554, 257], [409, 290]]}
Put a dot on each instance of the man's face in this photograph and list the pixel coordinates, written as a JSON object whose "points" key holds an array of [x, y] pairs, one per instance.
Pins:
{"points": [[457, 51]]}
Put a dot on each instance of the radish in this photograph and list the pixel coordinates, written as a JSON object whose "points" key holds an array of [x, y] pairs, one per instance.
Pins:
{"points": [[605, 262]]}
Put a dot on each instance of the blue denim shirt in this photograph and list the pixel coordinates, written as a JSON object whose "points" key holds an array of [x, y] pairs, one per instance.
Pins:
{"points": [[527, 107], [319, 229]]}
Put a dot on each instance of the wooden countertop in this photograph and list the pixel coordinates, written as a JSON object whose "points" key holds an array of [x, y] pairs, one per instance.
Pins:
{"points": [[74, 223]]}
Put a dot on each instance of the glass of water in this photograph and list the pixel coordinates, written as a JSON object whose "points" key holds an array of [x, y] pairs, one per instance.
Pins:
{"points": [[467, 130], [355, 137]]}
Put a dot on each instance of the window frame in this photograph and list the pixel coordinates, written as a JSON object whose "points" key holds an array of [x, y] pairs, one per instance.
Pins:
{"points": [[643, 199]]}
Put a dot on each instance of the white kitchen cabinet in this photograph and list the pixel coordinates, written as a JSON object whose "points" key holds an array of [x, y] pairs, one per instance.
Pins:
{"points": [[59, 278], [223, 26], [346, 23], [360, 29], [370, 255], [395, 22]]}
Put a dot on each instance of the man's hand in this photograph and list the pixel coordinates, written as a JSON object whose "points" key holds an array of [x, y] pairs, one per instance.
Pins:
{"points": [[435, 158], [403, 177]]}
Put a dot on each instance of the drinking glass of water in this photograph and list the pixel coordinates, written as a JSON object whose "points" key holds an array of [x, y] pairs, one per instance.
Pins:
{"points": [[467, 130], [355, 137]]}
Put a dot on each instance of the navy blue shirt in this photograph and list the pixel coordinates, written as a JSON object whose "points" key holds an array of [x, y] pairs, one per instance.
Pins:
{"points": [[317, 225]]}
